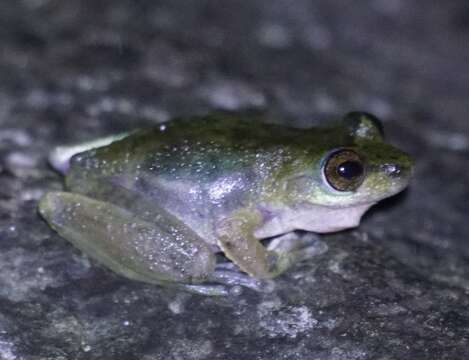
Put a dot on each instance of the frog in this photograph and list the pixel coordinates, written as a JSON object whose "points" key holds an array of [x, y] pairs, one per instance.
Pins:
{"points": [[209, 203]]}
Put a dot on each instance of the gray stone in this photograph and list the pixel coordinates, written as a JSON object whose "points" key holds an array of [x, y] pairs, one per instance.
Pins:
{"points": [[396, 288]]}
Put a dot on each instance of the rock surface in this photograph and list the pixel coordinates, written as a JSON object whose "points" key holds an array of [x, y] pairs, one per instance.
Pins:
{"points": [[396, 288]]}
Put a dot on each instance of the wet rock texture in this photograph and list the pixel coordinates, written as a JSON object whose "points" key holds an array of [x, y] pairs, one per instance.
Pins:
{"points": [[396, 288]]}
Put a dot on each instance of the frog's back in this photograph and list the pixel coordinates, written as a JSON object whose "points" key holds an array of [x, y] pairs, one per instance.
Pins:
{"points": [[190, 147], [236, 130]]}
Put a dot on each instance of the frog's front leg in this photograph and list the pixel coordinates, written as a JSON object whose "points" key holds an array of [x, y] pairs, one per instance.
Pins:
{"points": [[163, 252], [236, 238]]}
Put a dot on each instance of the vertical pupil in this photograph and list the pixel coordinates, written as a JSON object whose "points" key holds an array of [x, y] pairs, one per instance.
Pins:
{"points": [[350, 169]]}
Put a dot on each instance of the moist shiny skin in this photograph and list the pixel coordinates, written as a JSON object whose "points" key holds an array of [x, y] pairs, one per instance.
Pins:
{"points": [[208, 174]]}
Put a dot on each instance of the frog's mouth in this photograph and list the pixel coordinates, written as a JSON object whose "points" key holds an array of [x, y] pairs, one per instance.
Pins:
{"points": [[315, 218]]}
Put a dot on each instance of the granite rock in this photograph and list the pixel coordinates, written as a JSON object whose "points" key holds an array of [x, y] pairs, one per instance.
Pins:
{"points": [[395, 288]]}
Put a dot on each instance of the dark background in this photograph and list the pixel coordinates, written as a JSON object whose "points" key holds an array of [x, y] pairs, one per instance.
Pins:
{"points": [[396, 288]]}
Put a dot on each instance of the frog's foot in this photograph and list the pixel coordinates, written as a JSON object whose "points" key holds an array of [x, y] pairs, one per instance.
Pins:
{"points": [[297, 247], [229, 274], [227, 279], [207, 289]]}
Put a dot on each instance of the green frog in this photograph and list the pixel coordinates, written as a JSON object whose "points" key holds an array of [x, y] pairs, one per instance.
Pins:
{"points": [[162, 205]]}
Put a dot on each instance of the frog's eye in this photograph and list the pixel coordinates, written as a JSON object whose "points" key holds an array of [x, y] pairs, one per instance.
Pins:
{"points": [[344, 170]]}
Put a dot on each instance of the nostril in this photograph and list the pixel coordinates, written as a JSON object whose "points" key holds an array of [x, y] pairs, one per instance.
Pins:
{"points": [[392, 169]]}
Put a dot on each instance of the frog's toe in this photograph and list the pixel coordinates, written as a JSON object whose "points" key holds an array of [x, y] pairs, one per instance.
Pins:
{"points": [[291, 249], [293, 242], [227, 265], [236, 278], [206, 289], [310, 251]]}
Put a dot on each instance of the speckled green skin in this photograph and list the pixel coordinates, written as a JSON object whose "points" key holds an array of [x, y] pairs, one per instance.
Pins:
{"points": [[223, 180]]}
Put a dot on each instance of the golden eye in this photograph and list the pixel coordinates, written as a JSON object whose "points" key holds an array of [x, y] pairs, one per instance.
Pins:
{"points": [[344, 170]]}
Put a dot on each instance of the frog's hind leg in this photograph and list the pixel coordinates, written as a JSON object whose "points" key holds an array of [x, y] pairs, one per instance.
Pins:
{"points": [[59, 158], [224, 280], [163, 252]]}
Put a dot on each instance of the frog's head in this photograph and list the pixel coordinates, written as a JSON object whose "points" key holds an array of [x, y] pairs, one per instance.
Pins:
{"points": [[354, 171], [365, 169]]}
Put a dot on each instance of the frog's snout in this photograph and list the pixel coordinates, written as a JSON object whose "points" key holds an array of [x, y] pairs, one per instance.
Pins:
{"points": [[395, 170], [398, 169]]}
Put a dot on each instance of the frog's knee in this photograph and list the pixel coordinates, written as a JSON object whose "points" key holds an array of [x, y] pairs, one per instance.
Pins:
{"points": [[50, 205], [45, 203], [62, 209]]}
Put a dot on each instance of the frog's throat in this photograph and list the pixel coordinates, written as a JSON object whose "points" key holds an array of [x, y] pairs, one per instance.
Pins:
{"points": [[311, 217]]}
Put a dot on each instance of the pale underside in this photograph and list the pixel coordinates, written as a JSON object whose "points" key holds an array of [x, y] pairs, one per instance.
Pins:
{"points": [[314, 218]]}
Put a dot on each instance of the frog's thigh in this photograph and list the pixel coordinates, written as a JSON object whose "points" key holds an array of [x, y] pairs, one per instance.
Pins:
{"points": [[151, 252]]}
